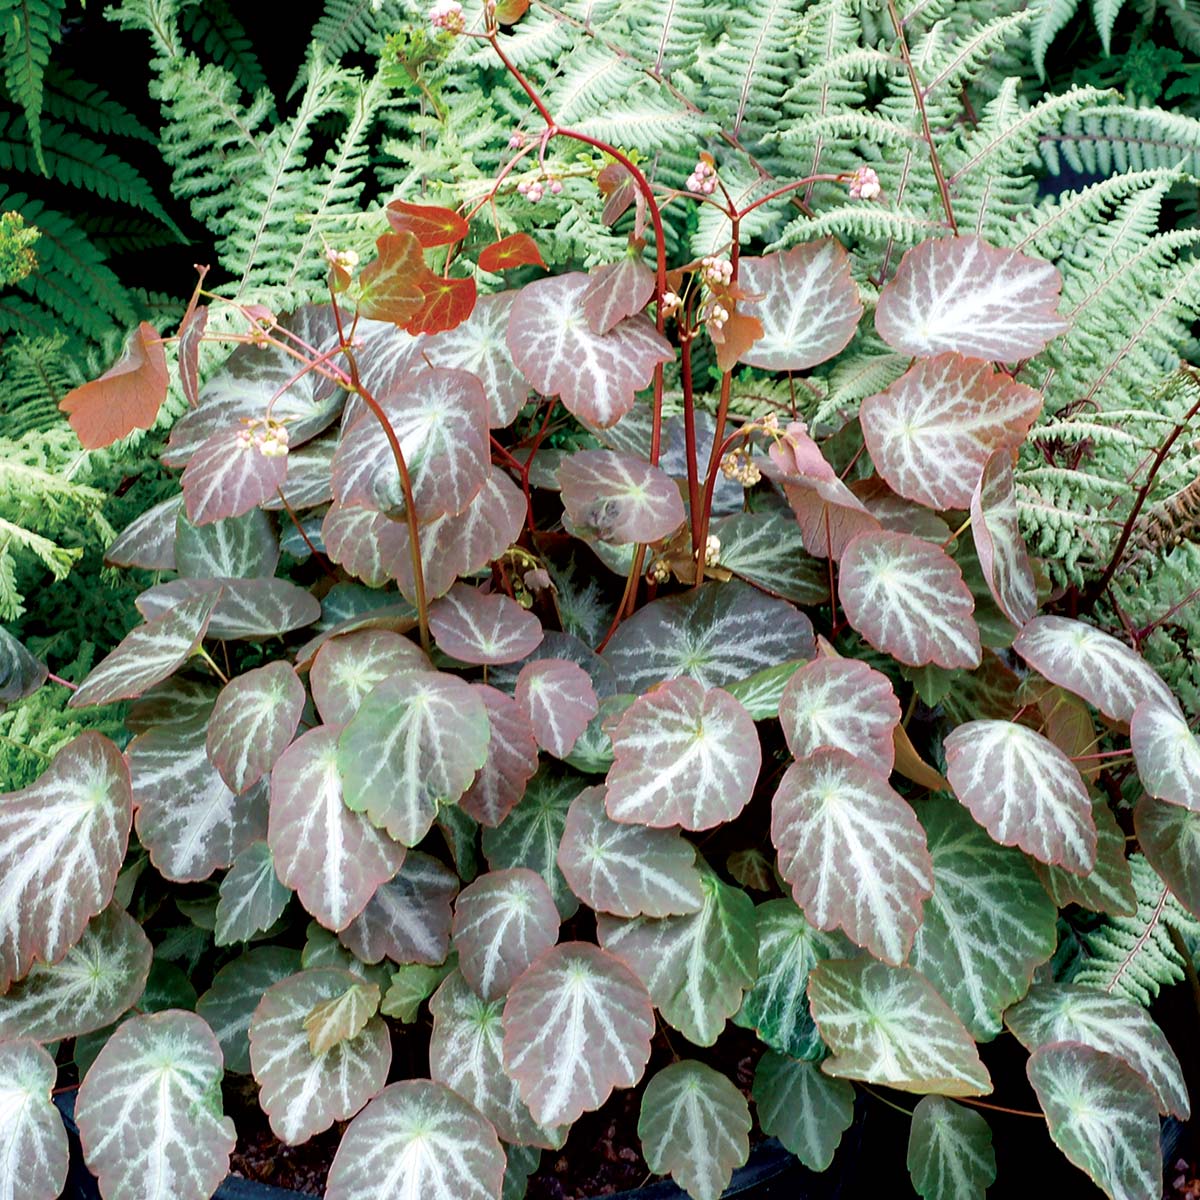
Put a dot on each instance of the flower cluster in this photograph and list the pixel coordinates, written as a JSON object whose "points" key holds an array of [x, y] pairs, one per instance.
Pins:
{"points": [[864, 184], [534, 190], [739, 466], [268, 438], [712, 550], [716, 272], [447, 15], [703, 179], [670, 303]]}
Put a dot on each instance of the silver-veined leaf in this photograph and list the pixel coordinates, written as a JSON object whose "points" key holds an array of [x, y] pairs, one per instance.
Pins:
{"points": [[188, 820], [177, 701], [1090, 664], [417, 1138], [62, 842], [149, 540], [964, 295], [20, 673], [478, 345], [245, 609], [237, 548], [99, 978], [1170, 839], [803, 1107], [695, 1126], [335, 859], [531, 834], [512, 760], [760, 695], [1167, 753], [776, 1007], [521, 1164], [596, 375], [415, 742], [309, 481], [252, 722], [988, 925], [841, 703], [502, 922], [440, 419], [233, 471], [149, 1111], [252, 898], [888, 1025], [236, 989], [33, 1143], [717, 634], [477, 628], [619, 498], [347, 668], [853, 852], [807, 302], [1102, 1116], [577, 1025], [1066, 1013], [148, 654], [303, 1093], [616, 291], [466, 1053], [1024, 791], [931, 432], [1108, 886], [559, 700], [765, 548], [683, 755], [696, 967], [408, 918], [998, 542], [627, 870], [907, 597], [950, 1155], [828, 514], [341, 1018]]}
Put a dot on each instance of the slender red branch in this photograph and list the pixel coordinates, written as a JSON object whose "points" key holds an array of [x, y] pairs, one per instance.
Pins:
{"points": [[62, 682], [695, 513]]}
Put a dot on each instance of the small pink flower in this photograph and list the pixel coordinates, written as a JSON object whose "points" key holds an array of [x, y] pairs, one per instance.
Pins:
{"points": [[447, 15], [516, 141], [864, 184], [670, 302], [703, 179], [536, 580]]}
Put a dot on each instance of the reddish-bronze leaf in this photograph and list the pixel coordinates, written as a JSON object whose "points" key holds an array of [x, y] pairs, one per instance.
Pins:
{"points": [[126, 397], [430, 224], [516, 250], [190, 332], [392, 287], [448, 303]]}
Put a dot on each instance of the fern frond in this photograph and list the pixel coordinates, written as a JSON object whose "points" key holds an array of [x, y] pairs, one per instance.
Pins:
{"points": [[31, 28], [1119, 138], [213, 27], [83, 105], [1052, 17]]}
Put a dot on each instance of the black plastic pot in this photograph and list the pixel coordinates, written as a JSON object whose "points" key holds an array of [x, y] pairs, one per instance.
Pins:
{"points": [[771, 1174]]}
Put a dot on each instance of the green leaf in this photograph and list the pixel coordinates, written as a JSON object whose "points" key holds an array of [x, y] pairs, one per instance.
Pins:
{"points": [[413, 984], [342, 1017], [950, 1155], [803, 1107], [252, 898]]}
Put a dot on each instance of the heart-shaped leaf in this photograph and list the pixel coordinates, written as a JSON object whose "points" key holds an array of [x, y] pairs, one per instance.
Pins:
{"points": [[627, 870], [776, 1007], [303, 1093], [930, 433], [502, 922], [148, 654], [391, 285], [250, 609], [415, 742], [62, 842], [420, 1139], [950, 1155], [478, 345], [805, 1109], [964, 295], [236, 989], [149, 1111], [998, 541], [234, 471], [126, 397], [97, 980], [577, 1025], [531, 834], [888, 1025], [616, 291], [907, 598], [1065, 1013], [430, 224], [253, 721], [242, 547], [696, 967], [341, 1018], [682, 755], [512, 760], [853, 852], [1167, 753], [1024, 791], [36, 1154], [988, 925], [559, 702], [717, 634], [475, 627], [807, 302], [251, 897], [20, 673], [695, 1126], [188, 820], [841, 703], [148, 541], [1101, 1115], [1170, 838], [555, 349], [619, 498], [439, 417], [347, 668], [1091, 664], [765, 548], [335, 859], [516, 250], [1108, 887], [448, 303], [466, 1053], [408, 918]]}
